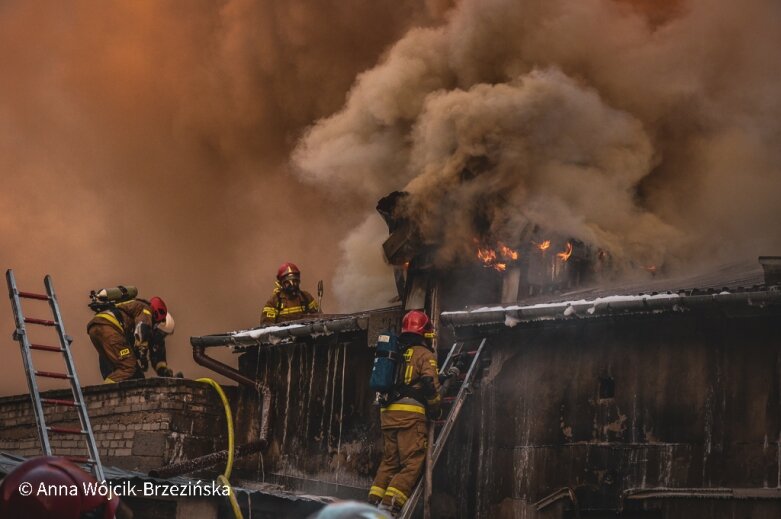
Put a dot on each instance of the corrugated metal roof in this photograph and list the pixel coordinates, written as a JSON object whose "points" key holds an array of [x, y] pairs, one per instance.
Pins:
{"points": [[736, 284], [512, 315]]}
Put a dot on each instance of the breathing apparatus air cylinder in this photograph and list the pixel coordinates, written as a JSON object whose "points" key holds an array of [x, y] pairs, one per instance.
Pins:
{"points": [[386, 362], [105, 297]]}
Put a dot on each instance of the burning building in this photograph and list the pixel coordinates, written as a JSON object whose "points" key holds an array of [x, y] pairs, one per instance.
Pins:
{"points": [[561, 172], [546, 150], [656, 398], [650, 399]]}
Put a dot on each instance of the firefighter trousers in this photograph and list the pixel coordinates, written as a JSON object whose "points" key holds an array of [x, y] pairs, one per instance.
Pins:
{"points": [[404, 453], [116, 356]]}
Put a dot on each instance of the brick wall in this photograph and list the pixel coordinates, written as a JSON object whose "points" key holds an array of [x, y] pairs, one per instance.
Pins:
{"points": [[138, 425]]}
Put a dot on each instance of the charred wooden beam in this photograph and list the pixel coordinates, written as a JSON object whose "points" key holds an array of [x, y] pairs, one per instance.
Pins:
{"points": [[207, 461]]}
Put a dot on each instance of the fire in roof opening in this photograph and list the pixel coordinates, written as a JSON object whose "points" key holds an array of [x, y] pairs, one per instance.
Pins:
{"points": [[621, 125]]}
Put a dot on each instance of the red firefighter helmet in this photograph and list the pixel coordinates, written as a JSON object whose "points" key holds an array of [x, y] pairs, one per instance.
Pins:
{"points": [[287, 270], [159, 309], [417, 322], [59, 473]]}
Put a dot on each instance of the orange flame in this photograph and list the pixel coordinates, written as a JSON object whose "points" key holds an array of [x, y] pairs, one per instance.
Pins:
{"points": [[564, 255], [490, 257], [486, 255], [543, 246], [507, 252], [651, 269]]}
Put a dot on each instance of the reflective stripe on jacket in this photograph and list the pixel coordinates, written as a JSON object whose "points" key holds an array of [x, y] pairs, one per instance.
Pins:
{"points": [[282, 307], [419, 362]]}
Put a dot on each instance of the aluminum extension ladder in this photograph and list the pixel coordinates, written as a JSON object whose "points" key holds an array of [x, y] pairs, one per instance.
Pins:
{"points": [[446, 425], [20, 334]]}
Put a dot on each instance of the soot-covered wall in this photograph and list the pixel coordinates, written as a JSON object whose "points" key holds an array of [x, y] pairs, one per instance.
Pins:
{"points": [[324, 427], [610, 406], [605, 407]]}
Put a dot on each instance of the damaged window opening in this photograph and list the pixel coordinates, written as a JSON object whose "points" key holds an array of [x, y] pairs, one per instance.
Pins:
{"points": [[607, 387]]}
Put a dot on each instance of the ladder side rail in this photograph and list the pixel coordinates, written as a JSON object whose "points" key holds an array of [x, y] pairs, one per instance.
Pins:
{"points": [[65, 342], [429, 468], [412, 502], [20, 334], [449, 358], [456, 409]]}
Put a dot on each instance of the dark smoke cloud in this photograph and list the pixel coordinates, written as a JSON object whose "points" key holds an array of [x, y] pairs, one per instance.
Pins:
{"points": [[145, 143], [646, 128]]}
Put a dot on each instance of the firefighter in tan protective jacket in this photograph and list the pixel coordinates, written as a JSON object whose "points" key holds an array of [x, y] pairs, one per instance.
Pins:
{"points": [[288, 302], [121, 331], [404, 416]]}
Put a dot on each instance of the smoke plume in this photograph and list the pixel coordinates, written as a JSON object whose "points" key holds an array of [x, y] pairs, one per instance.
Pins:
{"points": [[145, 143], [648, 129]]}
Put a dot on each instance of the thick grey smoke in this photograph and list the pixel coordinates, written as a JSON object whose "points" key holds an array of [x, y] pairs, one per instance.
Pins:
{"points": [[146, 143], [548, 150], [646, 128]]}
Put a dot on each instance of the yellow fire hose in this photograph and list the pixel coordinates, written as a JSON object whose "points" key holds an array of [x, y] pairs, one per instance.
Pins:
{"points": [[229, 465]]}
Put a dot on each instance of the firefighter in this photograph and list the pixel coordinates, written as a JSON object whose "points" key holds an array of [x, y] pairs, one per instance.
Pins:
{"points": [[288, 302], [56, 475], [120, 332], [403, 416]]}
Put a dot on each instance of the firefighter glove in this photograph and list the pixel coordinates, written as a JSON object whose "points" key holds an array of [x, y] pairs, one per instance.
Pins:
{"points": [[434, 412], [165, 372], [452, 371]]}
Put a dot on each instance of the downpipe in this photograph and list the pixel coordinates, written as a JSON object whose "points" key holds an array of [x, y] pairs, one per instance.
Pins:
{"points": [[200, 357]]}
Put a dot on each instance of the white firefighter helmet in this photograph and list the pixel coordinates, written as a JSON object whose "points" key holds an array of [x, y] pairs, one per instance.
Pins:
{"points": [[167, 326]]}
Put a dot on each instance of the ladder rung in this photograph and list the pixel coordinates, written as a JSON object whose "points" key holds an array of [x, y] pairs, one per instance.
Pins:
{"points": [[43, 322], [66, 430], [448, 399], [30, 295], [466, 354], [80, 459], [51, 374], [54, 401], [439, 422], [43, 347]]}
